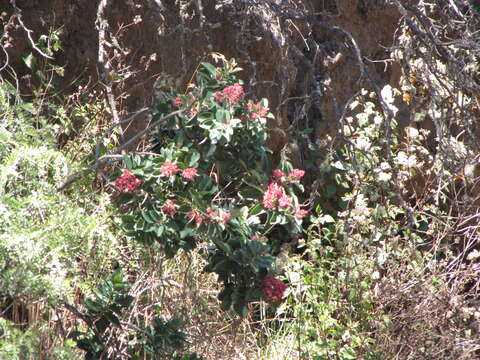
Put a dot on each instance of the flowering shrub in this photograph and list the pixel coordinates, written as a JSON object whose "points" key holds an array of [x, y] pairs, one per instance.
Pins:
{"points": [[206, 181]]}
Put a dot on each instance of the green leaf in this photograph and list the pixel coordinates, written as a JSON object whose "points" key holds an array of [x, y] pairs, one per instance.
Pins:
{"points": [[222, 266], [338, 165], [187, 232], [117, 277], [125, 300], [224, 246], [330, 190], [128, 161], [30, 61], [146, 215], [264, 262], [255, 210], [92, 306], [159, 230], [225, 293], [193, 162], [112, 318], [210, 68], [240, 306], [28, 107], [254, 294], [220, 115], [256, 247], [226, 303]]}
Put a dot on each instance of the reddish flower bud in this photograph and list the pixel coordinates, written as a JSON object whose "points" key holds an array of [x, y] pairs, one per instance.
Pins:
{"points": [[273, 289], [169, 208], [300, 213], [278, 174], [195, 216], [177, 101]]}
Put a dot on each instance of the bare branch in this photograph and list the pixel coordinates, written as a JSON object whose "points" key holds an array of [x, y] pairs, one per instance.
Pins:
{"points": [[18, 13]]}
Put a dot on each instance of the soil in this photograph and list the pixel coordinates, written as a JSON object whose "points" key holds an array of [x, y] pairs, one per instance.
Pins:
{"points": [[150, 39]]}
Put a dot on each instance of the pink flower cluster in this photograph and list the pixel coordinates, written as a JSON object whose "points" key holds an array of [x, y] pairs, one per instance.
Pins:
{"points": [[196, 216], [169, 208], [256, 237], [177, 101], [189, 173], [300, 213], [273, 289], [219, 216], [128, 182], [295, 175], [275, 196], [169, 169], [278, 174], [256, 110], [232, 94]]}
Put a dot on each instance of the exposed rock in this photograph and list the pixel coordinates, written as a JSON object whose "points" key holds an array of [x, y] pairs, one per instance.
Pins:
{"points": [[282, 57]]}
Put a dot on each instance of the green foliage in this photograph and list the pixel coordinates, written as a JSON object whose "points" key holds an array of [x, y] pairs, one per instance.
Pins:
{"points": [[48, 240], [16, 344], [332, 294], [35, 251], [331, 297], [104, 311]]}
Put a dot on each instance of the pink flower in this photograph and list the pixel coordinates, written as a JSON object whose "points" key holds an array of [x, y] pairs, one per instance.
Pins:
{"points": [[259, 238], [189, 173], [296, 174], [219, 216], [273, 289], [193, 112], [233, 94], [211, 212], [169, 168], [128, 182], [278, 174], [275, 196], [284, 201], [256, 110], [169, 208], [177, 101], [225, 217], [300, 213], [195, 216], [219, 97], [262, 111]]}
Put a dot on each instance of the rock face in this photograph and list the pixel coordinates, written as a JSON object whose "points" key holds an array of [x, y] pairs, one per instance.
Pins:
{"points": [[286, 51]]}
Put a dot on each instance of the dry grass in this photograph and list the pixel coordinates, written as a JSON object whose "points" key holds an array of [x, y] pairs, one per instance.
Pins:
{"points": [[434, 313]]}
